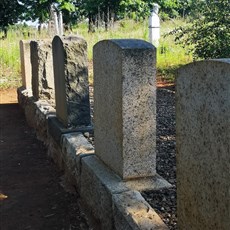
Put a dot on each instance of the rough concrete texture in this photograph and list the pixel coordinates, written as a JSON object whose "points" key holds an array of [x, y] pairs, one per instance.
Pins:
{"points": [[54, 151], [57, 129], [148, 183], [36, 112], [98, 186], [43, 111], [132, 212], [98, 183], [125, 106], [74, 147], [203, 145], [71, 81], [42, 70], [25, 64], [24, 96]]}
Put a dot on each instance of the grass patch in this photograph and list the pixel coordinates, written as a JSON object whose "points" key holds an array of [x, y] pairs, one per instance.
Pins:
{"points": [[9, 62], [169, 55]]}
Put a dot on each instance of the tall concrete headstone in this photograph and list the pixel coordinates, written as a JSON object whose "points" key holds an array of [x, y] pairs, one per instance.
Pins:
{"points": [[42, 70], [71, 81], [125, 106], [25, 63], [203, 145]]}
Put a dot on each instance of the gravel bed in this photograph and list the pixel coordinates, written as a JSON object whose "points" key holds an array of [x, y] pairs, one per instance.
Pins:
{"points": [[163, 201]]}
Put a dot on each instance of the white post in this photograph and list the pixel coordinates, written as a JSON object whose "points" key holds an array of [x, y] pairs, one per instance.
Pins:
{"points": [[56, 23], [60, 21], [154, 25]]}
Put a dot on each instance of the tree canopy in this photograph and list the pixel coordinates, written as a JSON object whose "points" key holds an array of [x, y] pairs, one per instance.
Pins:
{"points": [[10, 12]]}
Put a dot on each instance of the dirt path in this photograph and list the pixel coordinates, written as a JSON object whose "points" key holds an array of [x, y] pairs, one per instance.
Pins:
{"points": [[8, 96], [31, 196]]}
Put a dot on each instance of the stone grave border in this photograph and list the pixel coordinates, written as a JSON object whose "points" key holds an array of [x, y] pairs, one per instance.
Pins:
{"points": [[108, 200]]}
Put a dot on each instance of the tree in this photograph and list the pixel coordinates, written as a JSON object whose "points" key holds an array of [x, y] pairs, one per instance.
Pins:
{"points": [[10, 11], [100, 10], [40, 9], [208, 36]]}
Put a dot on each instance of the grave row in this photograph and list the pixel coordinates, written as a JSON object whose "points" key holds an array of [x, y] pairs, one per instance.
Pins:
{"points": [[125, 115], [124, 98]]}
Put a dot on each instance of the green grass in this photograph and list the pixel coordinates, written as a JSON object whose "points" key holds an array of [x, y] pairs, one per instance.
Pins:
{"points": [[10, 65], [169, 55], [9, 61]]}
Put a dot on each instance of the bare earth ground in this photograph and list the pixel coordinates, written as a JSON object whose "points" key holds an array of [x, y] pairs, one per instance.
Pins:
{"points": [[31, 195], [8, 96]]}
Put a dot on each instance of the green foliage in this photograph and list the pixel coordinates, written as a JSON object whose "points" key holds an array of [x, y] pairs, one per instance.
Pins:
{"points": [[208, 36], [169, 55], [134, 9], [9, 61], [40, 9], [10, 11]]}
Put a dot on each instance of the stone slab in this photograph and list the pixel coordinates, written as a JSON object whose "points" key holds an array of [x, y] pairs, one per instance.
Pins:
{"points": [[74, 147], [71, 81], [132, 212], [26, 71], [99, 183], [203, 145], [57, 129], [125, 106], [42, 70], [23, 96], [147, 183]]}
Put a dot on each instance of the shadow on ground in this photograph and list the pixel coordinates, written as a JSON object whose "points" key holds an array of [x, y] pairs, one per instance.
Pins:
{"points": [[31, 196]]}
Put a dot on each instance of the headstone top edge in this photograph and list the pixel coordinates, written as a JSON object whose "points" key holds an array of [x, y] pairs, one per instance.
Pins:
{"points": [[126, 44], [225, 61], [220, 60], [40, 40], [24, 41], [70, 38]]}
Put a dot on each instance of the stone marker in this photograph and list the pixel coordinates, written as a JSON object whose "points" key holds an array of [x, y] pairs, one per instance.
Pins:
{"points": [[25, 63], [42, 70], [71, 81], [203, 145], [125, 106]]}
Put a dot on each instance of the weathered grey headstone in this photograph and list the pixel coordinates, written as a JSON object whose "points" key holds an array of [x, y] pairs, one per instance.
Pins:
{"points": [[203, 145], [125, 106], [42, 70], [25, 63], [71, 81]]}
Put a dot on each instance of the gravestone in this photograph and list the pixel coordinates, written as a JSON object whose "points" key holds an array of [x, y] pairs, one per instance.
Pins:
{"points": [[203, 145], [25, 63], [125, 106], [71, 81], [42, 70]]}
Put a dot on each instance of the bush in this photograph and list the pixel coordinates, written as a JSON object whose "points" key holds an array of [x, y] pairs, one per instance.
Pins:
{"points": [[208, 36]]}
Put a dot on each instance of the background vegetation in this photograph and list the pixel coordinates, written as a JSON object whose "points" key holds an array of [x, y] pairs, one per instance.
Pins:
{"points": [[169, 55], [190, 29]]}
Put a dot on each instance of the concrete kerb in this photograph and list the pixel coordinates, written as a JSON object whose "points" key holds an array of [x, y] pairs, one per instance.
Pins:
{"points": [[103, 190], [131, 211], [99, 188]]}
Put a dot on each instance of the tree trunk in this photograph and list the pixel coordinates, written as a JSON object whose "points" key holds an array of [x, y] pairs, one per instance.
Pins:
{"points": [[5, 32]]}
